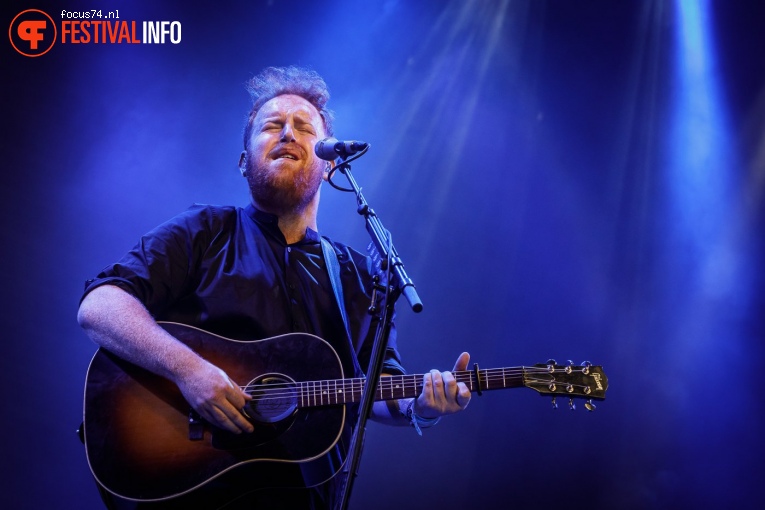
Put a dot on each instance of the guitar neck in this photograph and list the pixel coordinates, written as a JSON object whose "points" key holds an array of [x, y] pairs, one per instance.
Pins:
{"points": [[346, 391]]}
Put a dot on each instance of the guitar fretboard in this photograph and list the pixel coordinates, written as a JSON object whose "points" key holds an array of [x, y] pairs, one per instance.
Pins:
{"points": [[343, 391]]}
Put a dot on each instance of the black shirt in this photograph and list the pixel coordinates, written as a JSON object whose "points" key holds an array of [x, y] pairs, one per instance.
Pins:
{"points": [[230, 271]]}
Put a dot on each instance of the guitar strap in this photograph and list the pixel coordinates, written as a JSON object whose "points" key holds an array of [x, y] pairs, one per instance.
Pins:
{"points": [[333, 269]]}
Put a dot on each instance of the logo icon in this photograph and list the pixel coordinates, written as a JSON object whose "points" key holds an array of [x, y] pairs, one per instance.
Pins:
{"points": [[32, 33]]}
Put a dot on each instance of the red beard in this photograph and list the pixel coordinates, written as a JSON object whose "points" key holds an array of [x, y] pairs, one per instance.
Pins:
{"points": [[282, 192]]}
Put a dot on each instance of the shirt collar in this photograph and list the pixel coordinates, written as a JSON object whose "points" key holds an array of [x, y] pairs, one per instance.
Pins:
{"points": [[271, 223]]}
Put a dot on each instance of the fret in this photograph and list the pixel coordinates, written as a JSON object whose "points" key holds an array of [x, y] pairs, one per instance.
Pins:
{"points": [[399, 386], [415, 381], [470, 381], [343, 391]]}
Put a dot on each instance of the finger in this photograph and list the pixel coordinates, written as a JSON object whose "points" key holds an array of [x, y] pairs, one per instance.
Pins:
{"points": [[231, 418], [241, 422], [457, 393], [225, 410], [462, 362], [245, 393], [236, 402], [438, 384], [218, 418], [450, 386], [427, 386], [463, 395], [237, 395]]}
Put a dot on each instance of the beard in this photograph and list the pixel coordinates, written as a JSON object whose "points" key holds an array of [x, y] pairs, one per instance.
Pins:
{"points": [[282, 192]]}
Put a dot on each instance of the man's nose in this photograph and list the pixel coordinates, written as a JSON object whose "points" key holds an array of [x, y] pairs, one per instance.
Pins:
{"points": [[288, 135]]}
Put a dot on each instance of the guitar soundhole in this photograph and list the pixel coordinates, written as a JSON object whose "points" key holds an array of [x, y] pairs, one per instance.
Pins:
{"points": [[274, 398]]}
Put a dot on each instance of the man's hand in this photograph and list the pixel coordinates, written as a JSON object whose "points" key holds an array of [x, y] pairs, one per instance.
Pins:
{"points": [[216, 397], [441, 393], [118, 322]]}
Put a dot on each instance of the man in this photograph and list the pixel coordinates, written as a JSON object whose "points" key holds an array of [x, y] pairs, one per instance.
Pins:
{"points": [[253, 273]]}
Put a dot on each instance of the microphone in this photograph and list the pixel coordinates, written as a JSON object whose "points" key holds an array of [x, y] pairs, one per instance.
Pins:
{"points": [[331, 148]]}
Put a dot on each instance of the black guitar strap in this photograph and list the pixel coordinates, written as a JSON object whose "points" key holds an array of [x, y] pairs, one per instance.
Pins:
{"points": [[333, 269]]}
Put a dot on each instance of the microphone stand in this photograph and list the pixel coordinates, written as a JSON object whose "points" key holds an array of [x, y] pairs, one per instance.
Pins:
{"points": [[398, 283]]}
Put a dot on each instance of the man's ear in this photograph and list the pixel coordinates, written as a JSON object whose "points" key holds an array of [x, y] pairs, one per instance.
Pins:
{"points": [[243, 163], [330, 166]]}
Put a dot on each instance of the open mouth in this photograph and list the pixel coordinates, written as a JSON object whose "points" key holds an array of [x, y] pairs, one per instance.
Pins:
{"points": [[286, 153]]}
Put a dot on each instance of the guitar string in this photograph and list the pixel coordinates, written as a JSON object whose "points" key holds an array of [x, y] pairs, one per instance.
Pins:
{"points": [[391, 385], [388, 381], [393, 382], [317, 398]]}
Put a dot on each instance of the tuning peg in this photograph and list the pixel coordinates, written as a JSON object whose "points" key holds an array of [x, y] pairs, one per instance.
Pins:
{"points": [[571, 404], [586, 369], [551, 365], [554, 403], [569, 366], [589, 406], [551, 362]]}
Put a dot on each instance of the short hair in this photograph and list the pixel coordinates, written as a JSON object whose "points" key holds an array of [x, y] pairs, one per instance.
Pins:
{"points": [[278, 81]]}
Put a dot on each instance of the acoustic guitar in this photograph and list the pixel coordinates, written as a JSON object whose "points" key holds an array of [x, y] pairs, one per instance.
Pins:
{"points": [[145, 443]]}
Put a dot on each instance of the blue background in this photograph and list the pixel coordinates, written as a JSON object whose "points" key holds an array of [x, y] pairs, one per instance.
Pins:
{"points": [[577, 180]]}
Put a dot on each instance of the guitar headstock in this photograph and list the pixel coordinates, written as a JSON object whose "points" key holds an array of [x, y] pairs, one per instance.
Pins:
{"points": [[573, 381]]}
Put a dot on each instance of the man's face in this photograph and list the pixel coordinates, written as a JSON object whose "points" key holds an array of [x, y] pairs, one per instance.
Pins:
{"points": [[283, 172]]}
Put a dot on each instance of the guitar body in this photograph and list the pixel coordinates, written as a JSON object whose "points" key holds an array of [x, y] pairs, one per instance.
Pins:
{"points": [[141, 444]]}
